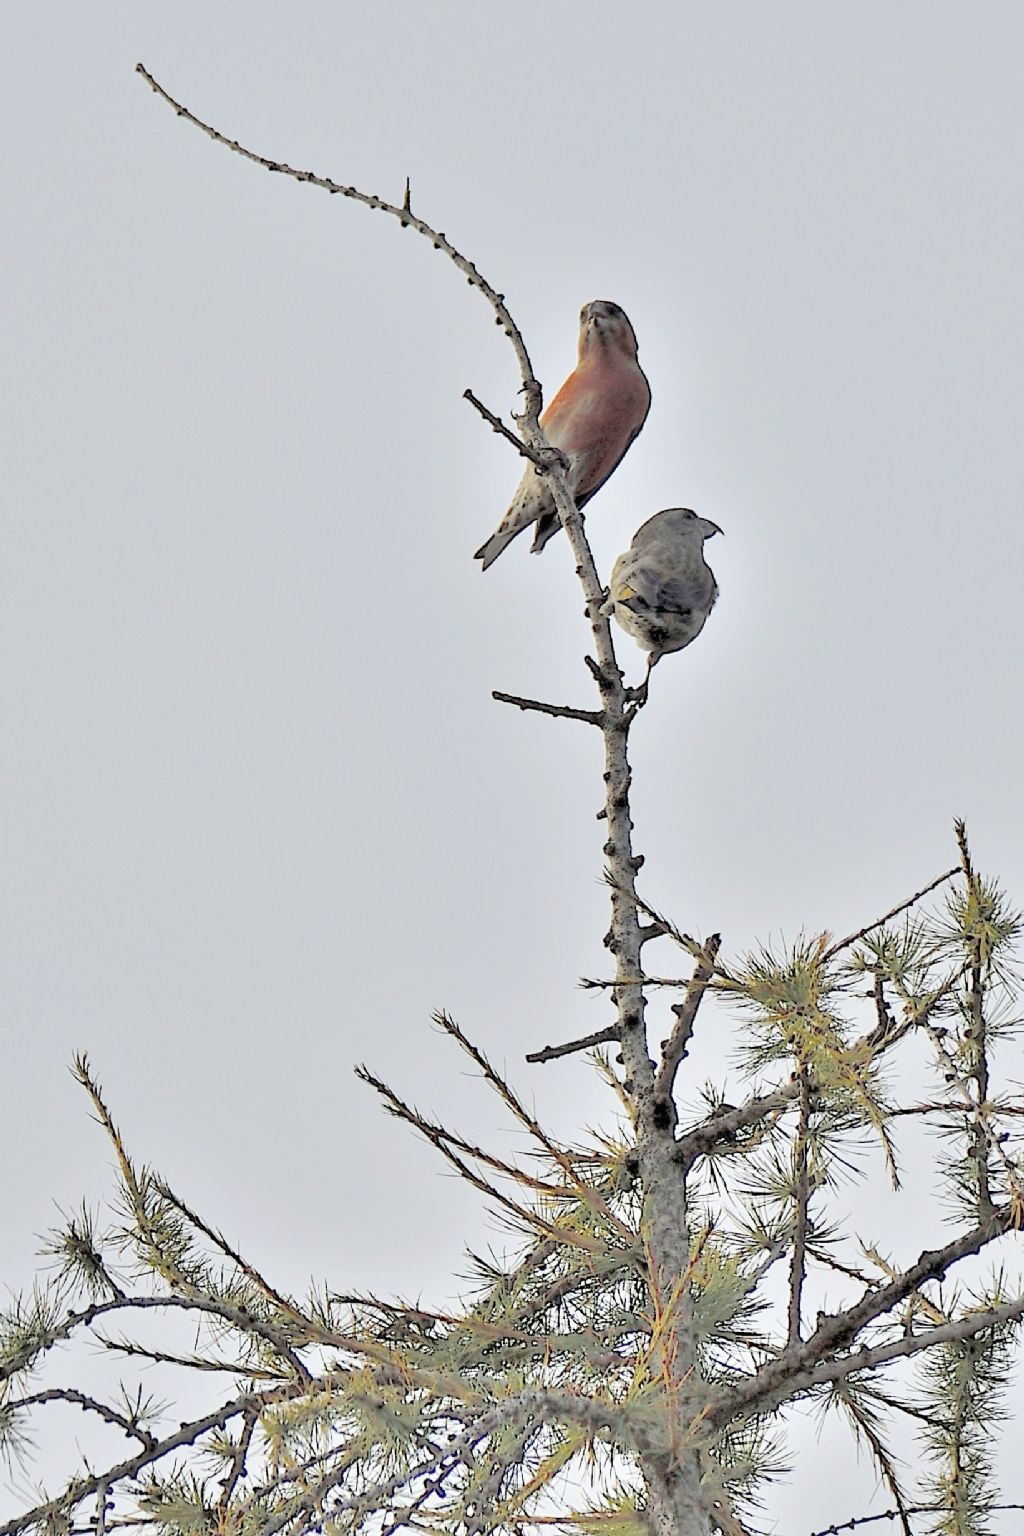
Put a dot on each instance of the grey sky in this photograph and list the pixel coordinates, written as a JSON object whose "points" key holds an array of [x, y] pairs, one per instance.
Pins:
{"points": [[260, 815]]}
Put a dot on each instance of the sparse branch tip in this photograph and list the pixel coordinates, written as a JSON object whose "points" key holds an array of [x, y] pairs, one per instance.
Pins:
{"points": [[902, 906], [560, 711], [497, 425]]}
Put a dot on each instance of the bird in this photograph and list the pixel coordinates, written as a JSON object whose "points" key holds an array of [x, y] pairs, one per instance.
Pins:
{"points": [[595, 416], [662, 589]]}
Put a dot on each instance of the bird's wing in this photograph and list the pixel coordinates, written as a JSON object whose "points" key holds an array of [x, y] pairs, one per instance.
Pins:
{"points": [[645, 589]]}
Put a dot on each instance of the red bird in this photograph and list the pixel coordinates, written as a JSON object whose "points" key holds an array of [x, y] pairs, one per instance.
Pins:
{"points": [[593, 419]]}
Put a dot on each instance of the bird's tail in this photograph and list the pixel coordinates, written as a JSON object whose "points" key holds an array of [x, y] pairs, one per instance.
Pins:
{"points": [[492, 547], [547, 525]]}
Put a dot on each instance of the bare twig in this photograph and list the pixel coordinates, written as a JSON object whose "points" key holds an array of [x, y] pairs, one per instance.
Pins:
{"points": [[220, 1241], [916, 1014], [88, 1404], [552, 1052], [497, 425], [893, 1514], [903, 906], [403, 214], [559, 1156], [986, 1140], [665, 927], [953, 1109], [675, 1046], [864, 1421], [562, 711], [187, 1362], [676, 983], [444, 1143]]}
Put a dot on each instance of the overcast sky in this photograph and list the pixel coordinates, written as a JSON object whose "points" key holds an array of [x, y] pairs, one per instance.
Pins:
{"points": [[259, 813]]}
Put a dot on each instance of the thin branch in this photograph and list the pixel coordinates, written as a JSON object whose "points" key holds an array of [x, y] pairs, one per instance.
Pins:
{"points": [[977, 1044], [837, 1331], [85, 1487], [251, 1419], [863, 1421], [599, 1037], [985, 1134], [723, 1126], [870, 1358], [953, 1110], [822, 1256], [916, 1014], [497, 425], [675, 983], [893, 1514], [903, 906], [220, 1241], [441, 1140], [769, 1259], [88, 1405], [186, 1362], [562, 711], [403, 214], [888, 1030], [563, 1159], [667, 929], [675, 1046], [238, 1317], [439, 1136], [798, 1263]]}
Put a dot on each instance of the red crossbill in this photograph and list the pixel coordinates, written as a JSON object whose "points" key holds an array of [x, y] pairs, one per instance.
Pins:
{"points": [[593, 419], [662, 589]]}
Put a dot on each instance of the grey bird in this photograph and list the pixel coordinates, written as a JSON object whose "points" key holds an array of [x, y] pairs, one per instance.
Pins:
{"points": [[662, 589]]}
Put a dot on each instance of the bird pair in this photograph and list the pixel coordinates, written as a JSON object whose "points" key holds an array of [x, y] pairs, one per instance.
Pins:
{"points": [[661, 589]]}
